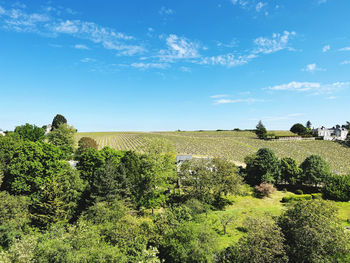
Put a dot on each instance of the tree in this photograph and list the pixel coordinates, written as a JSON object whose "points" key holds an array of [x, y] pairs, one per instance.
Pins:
{"points": [[337, 187], [63, 138], [88, 163], [313, 232], [315, 170], [261, 131], [30, 132], [262, 167], [263, 243], [58, 120], [14, 217], [308, 124], [58, 200], [299, 129], [85, 143], [189, 242], [290, 172]]}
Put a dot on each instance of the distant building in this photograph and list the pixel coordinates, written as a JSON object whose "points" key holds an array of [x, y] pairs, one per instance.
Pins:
{"points": [[181, 158], [332, 134], [2, 133], [48, 129]]}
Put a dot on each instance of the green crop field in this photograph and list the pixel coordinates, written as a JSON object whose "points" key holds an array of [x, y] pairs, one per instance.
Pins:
{"points": [[232, 145]]}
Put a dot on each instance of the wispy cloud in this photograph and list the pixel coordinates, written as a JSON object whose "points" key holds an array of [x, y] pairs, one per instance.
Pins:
{"points": [[312, 68], [145, 66], [217, 96], [326, 48], [179, 48], [344, 49], [87, 60], [259, 6], [276, 43], [262, 45], [81, 46], [346, 62], [166, 11], [47, 23], [315, 88], [230, 101]]}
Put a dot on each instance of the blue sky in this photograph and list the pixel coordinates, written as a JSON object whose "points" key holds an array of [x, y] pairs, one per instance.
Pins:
{"points": [[165, 65]]}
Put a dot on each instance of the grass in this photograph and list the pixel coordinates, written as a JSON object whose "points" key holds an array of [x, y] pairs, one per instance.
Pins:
{"points": [[232, 145], [246, 206]]}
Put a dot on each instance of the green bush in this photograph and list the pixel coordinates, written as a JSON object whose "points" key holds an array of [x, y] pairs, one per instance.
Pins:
{"points": [[301, 197], [299, 192]]}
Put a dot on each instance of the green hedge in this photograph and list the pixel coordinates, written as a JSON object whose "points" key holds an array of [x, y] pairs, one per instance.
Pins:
{"points": [[301, 197], [337, 187]]}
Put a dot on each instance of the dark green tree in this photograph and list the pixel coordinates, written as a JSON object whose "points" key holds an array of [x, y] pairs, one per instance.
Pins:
{"points": [[261, 131], [313, 232], [308, 124], [58, 120], [299, 129], [88, 163], [262, 167], [337, 187], [290, 171], [30, 132], [315, 170]]}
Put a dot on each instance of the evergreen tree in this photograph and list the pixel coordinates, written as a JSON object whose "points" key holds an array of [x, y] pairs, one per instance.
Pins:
{"points": [[261, 131]]}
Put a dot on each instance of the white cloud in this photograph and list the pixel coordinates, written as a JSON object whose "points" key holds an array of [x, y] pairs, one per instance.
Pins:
{"points": [[331, 98], [344, 49], [315, 87], [150, 65], [81, 46], [46, 24], [217, 96], [87, 60], [233, 101], [179, 48], [276, 43], [259, 6], [166, 11], [185, 69], [312, 68], [326, 48], [229, 60], [2, 11], [345, 62]]}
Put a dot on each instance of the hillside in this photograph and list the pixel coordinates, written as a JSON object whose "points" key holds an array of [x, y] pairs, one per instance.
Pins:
{"points": [[233, 145]]}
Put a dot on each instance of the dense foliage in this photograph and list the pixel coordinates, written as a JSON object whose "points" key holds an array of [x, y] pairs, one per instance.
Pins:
{"points": [[30, 132], [337, 187], [58, 120]]}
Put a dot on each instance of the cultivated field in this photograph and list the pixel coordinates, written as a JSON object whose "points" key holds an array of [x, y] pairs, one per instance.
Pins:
{"points": [[232, 145]]}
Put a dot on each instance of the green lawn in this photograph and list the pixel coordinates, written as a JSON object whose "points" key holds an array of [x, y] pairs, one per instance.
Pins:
{"points": [[247, 206]]}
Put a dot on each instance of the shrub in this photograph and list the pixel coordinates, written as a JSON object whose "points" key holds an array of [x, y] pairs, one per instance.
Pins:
{"points": [[265, 189], [299, 192], [301, 198], [86, 143]]}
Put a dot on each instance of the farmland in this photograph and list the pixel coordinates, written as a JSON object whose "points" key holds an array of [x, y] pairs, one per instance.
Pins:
{"points": [[232, 145]]}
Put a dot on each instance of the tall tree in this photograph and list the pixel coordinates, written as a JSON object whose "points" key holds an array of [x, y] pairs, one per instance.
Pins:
{"points": [[63, 138], [58, 120], [261, 131], [262, 167], [315, 170], [308, 124], [290, 171], [85, 143]]}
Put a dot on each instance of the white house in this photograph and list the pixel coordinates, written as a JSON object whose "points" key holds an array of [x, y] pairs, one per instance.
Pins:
{"points": [[48, 129], [332, 134], [2, 133]]}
